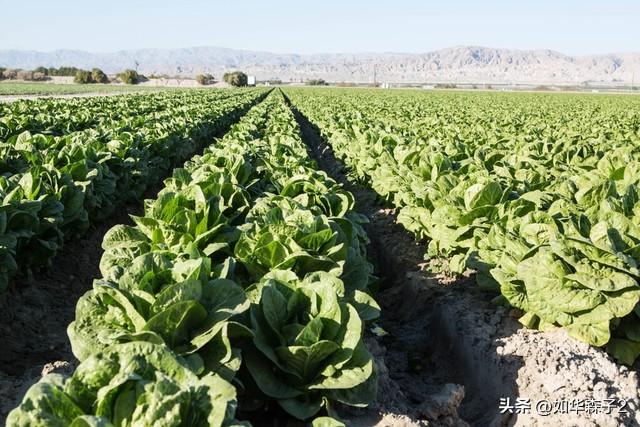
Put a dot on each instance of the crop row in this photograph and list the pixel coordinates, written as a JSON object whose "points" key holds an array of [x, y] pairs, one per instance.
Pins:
{"points": [[246, 278], [64, 116], [537, 194], [51, 187]]}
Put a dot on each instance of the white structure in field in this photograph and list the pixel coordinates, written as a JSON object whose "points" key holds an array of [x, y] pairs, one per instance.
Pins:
{"points": [[251, 80]]}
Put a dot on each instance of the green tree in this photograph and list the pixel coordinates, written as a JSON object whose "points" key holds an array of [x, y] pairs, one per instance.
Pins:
{"points": [[204, 79], [98, 76], [83, 77], [63, 71], [130, 77], [236, 78]]}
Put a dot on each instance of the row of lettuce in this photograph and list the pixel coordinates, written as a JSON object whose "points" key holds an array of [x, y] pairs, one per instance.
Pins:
{"points": [[536, 193], [59, 117], [246, 280], [53, 187]]}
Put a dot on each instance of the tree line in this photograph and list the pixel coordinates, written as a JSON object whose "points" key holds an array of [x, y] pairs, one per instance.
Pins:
{"points": [[96, 75], [234, 78]]}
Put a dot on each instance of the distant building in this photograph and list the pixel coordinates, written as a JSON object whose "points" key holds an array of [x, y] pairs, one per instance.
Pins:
{"points": [[251, 80]]}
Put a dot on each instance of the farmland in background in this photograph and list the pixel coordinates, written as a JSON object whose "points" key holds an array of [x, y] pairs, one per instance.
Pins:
{"points": [[15, 88]]}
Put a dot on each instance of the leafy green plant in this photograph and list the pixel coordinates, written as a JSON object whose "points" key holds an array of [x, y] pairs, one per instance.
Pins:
{"points": [[52, 187], [309, 348], [186, 279], [536, 193], [136, 384]]}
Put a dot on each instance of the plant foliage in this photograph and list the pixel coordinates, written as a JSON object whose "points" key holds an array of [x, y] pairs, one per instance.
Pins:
{"points": [[536, 193]]}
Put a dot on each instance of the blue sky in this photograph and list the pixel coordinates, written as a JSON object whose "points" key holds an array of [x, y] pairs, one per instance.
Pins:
{"points": [[573, 27]]}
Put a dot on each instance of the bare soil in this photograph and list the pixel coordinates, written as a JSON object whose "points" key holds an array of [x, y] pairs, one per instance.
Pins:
{"points": [[450, 355]]}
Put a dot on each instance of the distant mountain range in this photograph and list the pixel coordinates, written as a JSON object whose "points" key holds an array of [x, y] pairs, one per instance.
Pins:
{"points": [[462, 64]]}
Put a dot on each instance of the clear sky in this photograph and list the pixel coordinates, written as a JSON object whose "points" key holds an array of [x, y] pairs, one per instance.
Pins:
{"points": [[572, 27]]}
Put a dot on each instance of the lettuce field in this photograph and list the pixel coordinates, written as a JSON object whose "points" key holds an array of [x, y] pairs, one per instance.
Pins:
{"points": [[320, 257]]}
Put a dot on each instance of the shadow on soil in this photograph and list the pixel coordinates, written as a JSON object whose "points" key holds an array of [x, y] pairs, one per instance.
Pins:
{"points": [[437, 364]]}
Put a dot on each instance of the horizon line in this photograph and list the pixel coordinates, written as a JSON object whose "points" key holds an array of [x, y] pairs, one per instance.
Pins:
{"points": [[320, 53]]}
